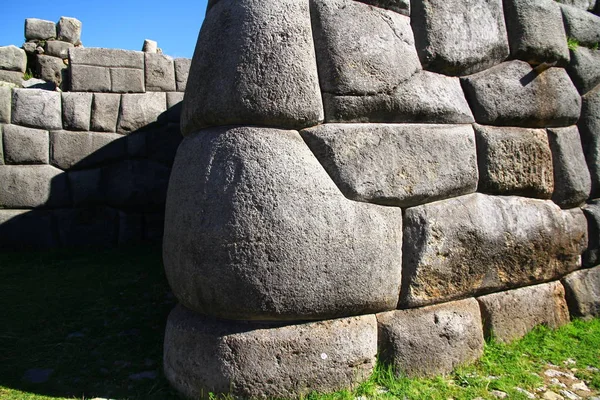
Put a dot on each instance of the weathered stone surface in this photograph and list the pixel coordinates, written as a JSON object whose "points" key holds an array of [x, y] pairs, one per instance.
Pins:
{"points": [[399, 6], [13, 58], [69, 30], [39, 29], [536, 32], [425, 97], [514, 94], [431, 340], [174, 103], [510, 315], [77, 110], [26, 229], [162, 144], [160, 73], [86, 78], [136, 143], [362, 49], [76, 150], [238, 199], [252, 360], [401, 165], [86, 187], [583, 4], [589, 129], [150, 46], [581, 25], [12, 77], [25, 145], [31, 186], [584, 68], [514, 161], [127, 80], [1, 146], [5, 104], [477, 243], [572, 183], [182, 71], [458, 38], [100, 57], [56, 48], [229, 84], [139, 110], [583, 292], [51, 69], [591, 257], [37, 108], [105, 112], [93, 227]]}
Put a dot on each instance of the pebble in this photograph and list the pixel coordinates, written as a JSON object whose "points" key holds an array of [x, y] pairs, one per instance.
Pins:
{"points": [[580, 386], [569, 395], [550, 395], [37, 375], [570, 361], [556, 382], [529, 395], [499, 394], [592, 369], [552, 373]]}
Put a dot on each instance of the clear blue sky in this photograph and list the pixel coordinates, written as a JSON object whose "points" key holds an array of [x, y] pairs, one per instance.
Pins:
{"points": [[122, 24]]}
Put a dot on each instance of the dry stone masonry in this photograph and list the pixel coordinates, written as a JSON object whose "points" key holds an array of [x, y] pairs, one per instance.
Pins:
{"points": [[378, 177]]}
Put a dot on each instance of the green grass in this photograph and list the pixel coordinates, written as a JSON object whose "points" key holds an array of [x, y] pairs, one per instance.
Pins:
{"points": [[97, 317], [572, 44]]}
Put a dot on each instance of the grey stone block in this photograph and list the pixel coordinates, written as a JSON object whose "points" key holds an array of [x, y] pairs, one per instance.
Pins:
{"points": [[69, 30], [37, 108], [572, 183], [127, 80], [583, 4], [14, 78], [514, 94], [399, 6], [13, 58], [252, 187], [77, 110], [33, 186], [86, 187], [1, 146], [56, 48], [229, 84], [51, 69], [581, 25], [589, 129], [87, 227], [583, 292], [162, 144], [182, 71], [130, 228], [174, 104], [401, 165], [100, 57], [536, 32], [77, 150], [39, 29], [477, 244], [25, 145], [150, 46], [510, 315], [136, 143], [591, 257], [25, 229], [431, 340], [105, 112], [362, 49], [139, 110], [458, 38], [160, 73], [86, 78], [252, 360], [584, 68], [5, 104], [425, 97], [514, 161]]}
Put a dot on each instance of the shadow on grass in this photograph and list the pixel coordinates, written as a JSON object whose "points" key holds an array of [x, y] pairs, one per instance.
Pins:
{"points": [[94, 319]]}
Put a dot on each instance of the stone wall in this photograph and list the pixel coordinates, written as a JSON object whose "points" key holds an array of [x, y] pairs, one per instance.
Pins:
{"points": [[85, 151], [379, 177]]}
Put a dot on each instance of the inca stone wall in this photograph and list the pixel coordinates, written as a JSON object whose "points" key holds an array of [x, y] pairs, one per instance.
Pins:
{"points": [[87, 145], [379, 177]]}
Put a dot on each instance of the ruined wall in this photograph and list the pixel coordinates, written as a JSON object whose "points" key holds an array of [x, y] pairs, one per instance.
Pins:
{"points": [[412, 176]]}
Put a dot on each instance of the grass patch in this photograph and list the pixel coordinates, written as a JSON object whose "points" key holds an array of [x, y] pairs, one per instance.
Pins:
{"points": [[97, 318], [572, 44]]}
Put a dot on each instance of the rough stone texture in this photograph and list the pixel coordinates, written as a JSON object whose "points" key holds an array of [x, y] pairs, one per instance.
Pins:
{"points": [[401, 165], [56, 48], [589, 129], [127, 80], [510, 315], [581, 25], [37, 108], [431, 340], [77, 110], [12, 77], [513, 94], [137, 143], [583, 292], [454, 37], [514, 161], [69, 30], [162, 144], [31, 186], [26, 229], [477, 243], [100, 57], [572, 183], [584, 68], [76, 150], [174, 104], [13, 58], [536, 32], [583, 4], [425, 97], [51, 69], [251, 360], [239, 243], [150, 46], [399, 6], [1, 146], [182, 71], [362, 49], [591, 257], [139, 110], [105, 112], [86, 187], [39, 29], [25, 145], [95, 226], [85, 78], [5, 104], [230, 84], [160, 73]]}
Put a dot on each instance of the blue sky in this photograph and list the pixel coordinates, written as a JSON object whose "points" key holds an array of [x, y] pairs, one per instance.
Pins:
{"points": [[120, 24]]}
